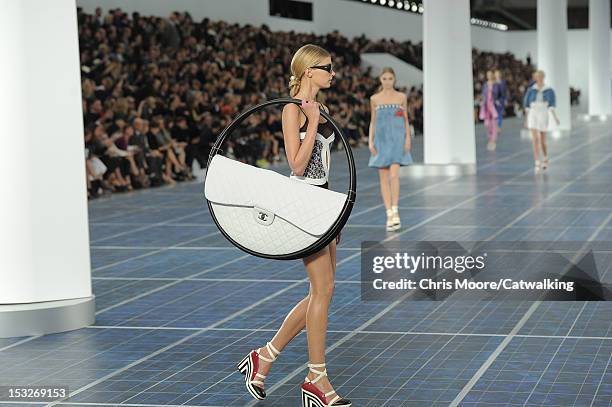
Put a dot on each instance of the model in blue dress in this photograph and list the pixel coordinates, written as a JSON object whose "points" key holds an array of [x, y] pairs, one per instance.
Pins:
{"points": [[389, 142]]}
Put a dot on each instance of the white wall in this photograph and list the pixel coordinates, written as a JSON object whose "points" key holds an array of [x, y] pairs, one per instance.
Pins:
{"points": [[520, 43], [486, 39]]}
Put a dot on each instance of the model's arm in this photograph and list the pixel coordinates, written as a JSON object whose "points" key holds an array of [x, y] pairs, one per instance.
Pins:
{"points": [[405, 108], [298, 154], [554, 113], [372, 126], [552, 104], [552, 100]]}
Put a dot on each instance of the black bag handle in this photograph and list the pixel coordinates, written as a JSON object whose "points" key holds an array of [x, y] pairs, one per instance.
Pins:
{"points": [[351, 192]]}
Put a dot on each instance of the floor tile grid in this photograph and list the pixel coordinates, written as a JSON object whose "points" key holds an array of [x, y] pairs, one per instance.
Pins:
{"points": [[501, 347]]}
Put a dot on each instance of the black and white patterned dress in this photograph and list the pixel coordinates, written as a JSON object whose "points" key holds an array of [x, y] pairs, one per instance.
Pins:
{"points": [[317, 170]]}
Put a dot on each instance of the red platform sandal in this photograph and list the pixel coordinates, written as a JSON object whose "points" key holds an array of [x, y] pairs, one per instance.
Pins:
{"points": [[249, 367], [313, 397]]}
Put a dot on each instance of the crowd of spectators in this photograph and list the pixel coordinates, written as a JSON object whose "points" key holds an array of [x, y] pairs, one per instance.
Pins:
{"points": [[404, 50], [157, 91]]}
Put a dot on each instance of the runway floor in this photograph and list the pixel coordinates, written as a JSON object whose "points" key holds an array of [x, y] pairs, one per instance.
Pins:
{"points": [[178, 306]]}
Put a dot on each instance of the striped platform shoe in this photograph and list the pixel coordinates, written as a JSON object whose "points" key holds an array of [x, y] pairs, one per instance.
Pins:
{"points": [[249, 367], [313, 397]]}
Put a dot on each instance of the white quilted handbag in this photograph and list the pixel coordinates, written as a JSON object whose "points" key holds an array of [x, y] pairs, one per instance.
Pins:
{"points": [[268, 214]]}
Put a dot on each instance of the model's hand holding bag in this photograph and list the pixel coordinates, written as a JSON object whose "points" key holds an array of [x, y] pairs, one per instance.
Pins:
{"points": [[268, 214]]}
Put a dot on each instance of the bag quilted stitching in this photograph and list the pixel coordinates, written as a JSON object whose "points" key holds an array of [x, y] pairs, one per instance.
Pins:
{"points": [[305, 208]]}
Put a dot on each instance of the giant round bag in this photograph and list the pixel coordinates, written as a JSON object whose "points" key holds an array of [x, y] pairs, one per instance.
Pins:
{"points": [[268, 214]]}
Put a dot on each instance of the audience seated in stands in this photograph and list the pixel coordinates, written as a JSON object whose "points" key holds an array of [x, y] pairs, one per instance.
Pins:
{"points": [[163, 89]]}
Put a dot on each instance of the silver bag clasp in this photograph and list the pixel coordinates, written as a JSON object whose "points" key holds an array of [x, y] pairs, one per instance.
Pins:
{"points": [[263, 216]]}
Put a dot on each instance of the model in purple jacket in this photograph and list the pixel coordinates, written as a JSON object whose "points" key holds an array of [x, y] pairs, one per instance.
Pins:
{"points": [[491, 96]]}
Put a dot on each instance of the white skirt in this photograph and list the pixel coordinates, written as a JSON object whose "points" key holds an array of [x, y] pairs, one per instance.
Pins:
{"points": [[537, 119]]}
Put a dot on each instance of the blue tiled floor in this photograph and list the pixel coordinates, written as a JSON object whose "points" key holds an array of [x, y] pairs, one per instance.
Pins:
{"points": [[178, 306], [547, 371]]}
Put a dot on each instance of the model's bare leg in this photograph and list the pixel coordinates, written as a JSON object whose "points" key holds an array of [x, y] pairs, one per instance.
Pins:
{"points": [[294, 322], [535, 143], [543, 144], [385, 189], [395, 187], [321, 274], [395, 184], [491, 125]]}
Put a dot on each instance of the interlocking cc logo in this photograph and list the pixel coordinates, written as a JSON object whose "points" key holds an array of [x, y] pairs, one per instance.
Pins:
{"points": [[263, 216]]}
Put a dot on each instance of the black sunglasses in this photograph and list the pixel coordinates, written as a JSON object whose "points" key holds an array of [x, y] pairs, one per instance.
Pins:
{"points": [[327, 67]]}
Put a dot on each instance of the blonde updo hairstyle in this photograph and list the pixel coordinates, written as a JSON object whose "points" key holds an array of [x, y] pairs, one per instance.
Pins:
{"points": [[305, 57]]}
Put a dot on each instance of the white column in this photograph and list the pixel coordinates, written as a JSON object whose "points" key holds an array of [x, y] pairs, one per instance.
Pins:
{"points": [[448, 100], [552, 54], [44, 238], [600, 92]]}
